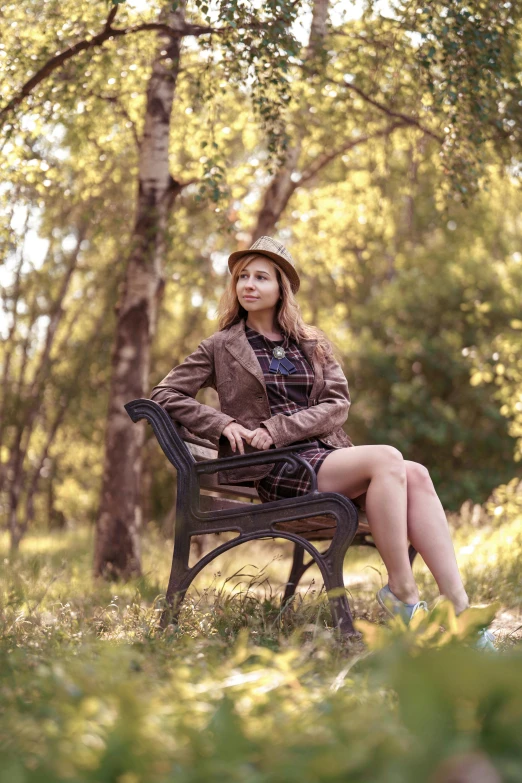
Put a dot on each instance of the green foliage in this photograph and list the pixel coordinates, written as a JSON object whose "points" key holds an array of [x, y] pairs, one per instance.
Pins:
{"points": [[254, 50], [506, 502], [91, 691], [470, 53]]}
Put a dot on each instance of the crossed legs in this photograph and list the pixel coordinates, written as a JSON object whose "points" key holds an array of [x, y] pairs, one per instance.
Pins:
{"points": [[402, 506]]}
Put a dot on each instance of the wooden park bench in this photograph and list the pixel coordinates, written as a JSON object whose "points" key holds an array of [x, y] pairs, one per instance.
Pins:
{"points": [[203, 506]]}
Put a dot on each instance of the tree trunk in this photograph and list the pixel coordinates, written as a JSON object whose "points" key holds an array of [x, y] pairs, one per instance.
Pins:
{"points": [[282, 186], [277, 195], [29, 403], [55, 519], [117, 547]]}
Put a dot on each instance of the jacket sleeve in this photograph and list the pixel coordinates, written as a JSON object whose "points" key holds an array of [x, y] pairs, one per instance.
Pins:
{"points": [[177, 391], [327, 413]]}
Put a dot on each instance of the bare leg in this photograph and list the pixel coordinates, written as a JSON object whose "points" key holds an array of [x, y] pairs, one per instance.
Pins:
{"points": [[429, 533], [380, 471]]}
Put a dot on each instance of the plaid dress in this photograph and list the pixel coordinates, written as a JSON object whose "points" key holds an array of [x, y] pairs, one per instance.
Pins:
{"points": [[287, 394]]}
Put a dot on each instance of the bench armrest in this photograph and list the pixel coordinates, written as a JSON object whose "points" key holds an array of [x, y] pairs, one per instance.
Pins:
{"points": [[168, 434], [265, 457], [166, 430]]}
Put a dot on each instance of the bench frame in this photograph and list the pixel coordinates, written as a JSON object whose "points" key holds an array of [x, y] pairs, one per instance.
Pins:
{"points": [[250, 520]]}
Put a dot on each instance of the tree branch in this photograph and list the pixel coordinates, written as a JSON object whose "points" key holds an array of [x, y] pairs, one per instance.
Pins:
{"points": [[364, 39], [108, 33], [58, 60], [385, 109], [322, 160], [120, 109]]}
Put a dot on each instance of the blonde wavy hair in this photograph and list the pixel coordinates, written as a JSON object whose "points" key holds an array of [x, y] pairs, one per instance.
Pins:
{"points": [[288, 312]]}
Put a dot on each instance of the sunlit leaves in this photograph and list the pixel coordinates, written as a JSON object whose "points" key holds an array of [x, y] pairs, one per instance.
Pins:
{"points": [[469, 55]]}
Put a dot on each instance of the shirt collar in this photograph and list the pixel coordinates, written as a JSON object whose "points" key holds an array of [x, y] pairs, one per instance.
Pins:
{"points": [[265, 341]]}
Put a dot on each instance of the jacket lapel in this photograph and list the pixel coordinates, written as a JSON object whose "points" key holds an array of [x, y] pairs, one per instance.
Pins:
{"points": [[307, 346], [237, 344]]}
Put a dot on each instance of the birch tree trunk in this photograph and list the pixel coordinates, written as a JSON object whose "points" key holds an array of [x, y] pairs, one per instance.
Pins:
{"points": [[117, 548]]}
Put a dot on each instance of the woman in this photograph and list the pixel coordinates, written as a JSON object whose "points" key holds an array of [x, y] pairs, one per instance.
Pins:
{"points": [[278, 382]]}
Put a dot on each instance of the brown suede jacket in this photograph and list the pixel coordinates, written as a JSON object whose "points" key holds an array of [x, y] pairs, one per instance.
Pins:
{"points": [[226, 362]]}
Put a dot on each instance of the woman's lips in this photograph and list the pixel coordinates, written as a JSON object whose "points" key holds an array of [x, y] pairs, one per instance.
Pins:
{"points": [[251, 297]]}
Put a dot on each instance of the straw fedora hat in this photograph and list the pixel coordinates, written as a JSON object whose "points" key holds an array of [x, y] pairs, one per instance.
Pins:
{"points": [[276, 252]]}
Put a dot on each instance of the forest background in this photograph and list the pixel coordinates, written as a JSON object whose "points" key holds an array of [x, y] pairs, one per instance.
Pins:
{"points": [[143, 142]]}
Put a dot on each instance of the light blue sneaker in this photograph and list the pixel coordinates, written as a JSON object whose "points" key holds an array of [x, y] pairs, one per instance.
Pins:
{"points": [[394, 606], [485, 641]]}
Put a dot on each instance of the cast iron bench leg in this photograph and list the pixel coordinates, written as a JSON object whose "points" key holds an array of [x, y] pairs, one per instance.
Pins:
{"points": [[298, 569], [177, 586], [331, 567], [330, 564], [332, 573], [296, 572]]}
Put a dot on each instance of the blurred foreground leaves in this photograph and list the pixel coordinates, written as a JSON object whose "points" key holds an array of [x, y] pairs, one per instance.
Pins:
{"points": [[182, 710], [437, 628], [91, 691]]}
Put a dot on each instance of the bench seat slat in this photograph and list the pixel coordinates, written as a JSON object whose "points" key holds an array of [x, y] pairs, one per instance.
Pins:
{"points": [[200, 452], [209, 503], [209, 481], [313, 528]]}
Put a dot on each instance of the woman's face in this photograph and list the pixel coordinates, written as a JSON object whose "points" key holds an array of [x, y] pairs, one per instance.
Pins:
{"points": [[258, 281]]}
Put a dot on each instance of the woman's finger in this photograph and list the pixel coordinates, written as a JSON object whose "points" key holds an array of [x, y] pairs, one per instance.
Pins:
{"points": [[240, 444]]}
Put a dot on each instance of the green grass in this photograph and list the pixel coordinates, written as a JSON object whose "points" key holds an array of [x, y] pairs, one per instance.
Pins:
{"points": [[244, 690]]}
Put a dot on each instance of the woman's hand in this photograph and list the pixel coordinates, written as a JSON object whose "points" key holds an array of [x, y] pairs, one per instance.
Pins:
{"points": [[261, 438], [235, 432]]}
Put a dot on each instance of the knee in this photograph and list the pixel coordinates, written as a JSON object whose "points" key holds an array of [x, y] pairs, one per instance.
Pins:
{"points": [[418, 476], [393, 462]]}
